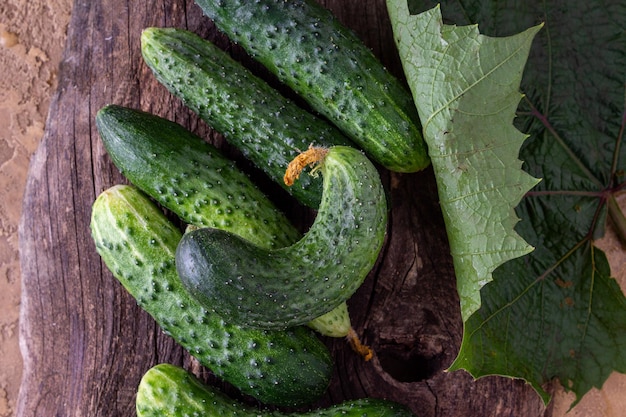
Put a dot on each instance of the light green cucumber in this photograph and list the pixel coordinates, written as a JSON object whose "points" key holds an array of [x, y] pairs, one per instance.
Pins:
{"points": [[199, 184], [137, 244], [335, 323], [309, 50], [168, 390], [267, 128], [279, 288]]}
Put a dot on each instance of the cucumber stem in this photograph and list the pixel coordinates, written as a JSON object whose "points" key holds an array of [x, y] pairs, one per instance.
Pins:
{"points": [[313, 155], [365, 351]]}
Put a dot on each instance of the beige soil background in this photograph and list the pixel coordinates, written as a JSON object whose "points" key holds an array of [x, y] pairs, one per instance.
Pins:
{"points": [[32, 37]]}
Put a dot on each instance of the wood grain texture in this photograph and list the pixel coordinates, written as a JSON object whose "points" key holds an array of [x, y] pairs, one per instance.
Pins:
{"points": [[85, 342]]}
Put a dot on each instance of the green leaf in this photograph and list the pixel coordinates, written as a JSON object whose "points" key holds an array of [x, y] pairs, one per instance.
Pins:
{"points": [[466, 88], [557, 313]]}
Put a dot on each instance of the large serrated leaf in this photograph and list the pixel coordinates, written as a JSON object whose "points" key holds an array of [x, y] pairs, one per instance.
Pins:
{"points": [[557, 313], [466, 88]]}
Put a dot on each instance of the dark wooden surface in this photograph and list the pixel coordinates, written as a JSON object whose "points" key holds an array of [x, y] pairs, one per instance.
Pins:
{"points": [[85, 342]]}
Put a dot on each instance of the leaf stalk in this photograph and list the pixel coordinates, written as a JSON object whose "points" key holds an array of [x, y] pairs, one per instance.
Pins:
{"points": [[617, 217]]}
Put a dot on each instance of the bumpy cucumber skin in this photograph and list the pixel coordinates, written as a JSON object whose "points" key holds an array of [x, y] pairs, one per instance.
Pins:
{"points": [[189, 176], [137, 243], [196, 182], [309, 50], [267, 128], [167, 390], [335, 323], [272, 289]]}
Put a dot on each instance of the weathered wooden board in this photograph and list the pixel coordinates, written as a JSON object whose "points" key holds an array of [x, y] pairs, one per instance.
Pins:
{"points": [[86, 343]]}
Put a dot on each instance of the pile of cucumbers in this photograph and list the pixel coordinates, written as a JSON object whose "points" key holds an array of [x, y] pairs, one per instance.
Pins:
{"points": [[206, 253]]}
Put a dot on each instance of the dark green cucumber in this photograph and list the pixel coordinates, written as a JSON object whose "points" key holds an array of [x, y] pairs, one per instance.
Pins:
{"points": [[200, 185], [254, 286], [266, 127], [138, 243], [309, 50], [168, 390], [189, 176]]}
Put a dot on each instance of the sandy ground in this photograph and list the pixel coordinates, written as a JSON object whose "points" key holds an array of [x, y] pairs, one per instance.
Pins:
{"points": [[32, 35]]}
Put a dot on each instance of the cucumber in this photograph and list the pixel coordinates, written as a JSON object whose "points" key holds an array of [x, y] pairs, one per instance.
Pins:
{"points": [[279, 288], [190, 177], [138, 243], [267, 128], [168, 390], [309, 50], [199, 184], [335, 323]]}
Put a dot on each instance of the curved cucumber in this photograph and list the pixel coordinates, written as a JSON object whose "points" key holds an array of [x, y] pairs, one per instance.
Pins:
{"points": [[279, 288], [201, 186], [266, 127], [167, 390], [137, 243], [309, 50]]}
